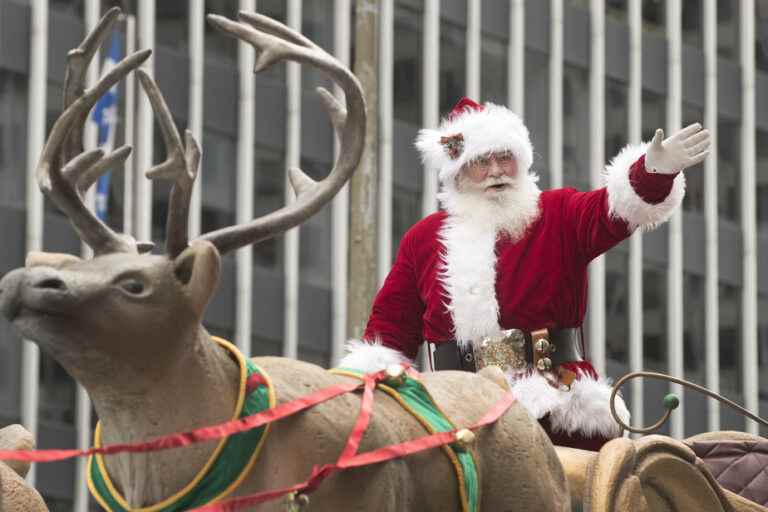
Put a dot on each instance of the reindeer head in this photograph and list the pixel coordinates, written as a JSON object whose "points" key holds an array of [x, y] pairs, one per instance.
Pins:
{"points": [[126, 305]]}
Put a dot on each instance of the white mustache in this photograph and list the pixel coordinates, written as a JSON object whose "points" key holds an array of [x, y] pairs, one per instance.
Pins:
{"points": [[504, 180]]}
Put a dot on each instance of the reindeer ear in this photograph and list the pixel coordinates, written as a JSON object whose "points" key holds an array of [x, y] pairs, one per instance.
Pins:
{"points": [[197, 270]]}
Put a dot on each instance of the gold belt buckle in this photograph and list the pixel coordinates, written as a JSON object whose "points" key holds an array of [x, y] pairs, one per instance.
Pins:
{"points": [[505, 350]]}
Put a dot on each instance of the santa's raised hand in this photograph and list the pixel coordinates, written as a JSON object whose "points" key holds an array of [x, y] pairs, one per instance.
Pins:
{"points": [[684, 149]]}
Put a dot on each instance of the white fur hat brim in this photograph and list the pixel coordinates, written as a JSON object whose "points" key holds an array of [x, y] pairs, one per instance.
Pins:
{"points": [[491, 130]]}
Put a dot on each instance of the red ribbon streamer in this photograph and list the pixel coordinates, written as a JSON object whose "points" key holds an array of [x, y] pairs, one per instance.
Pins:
{"points": [[349, 457], [350, 460], [198, 435]]}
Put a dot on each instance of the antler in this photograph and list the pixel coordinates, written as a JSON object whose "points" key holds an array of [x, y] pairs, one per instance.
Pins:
{"points": [[66, 185], [180, 166], [274, 42]]}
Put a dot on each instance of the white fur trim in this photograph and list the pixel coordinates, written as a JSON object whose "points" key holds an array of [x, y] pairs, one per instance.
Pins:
{"points": [[493, 129], [369, 357], [624, 202], [468, 276], [468, 236], [584, 409]]}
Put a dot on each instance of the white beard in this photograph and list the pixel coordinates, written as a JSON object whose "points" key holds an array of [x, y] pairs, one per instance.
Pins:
{"points": [[509, 211], [475, 220]]}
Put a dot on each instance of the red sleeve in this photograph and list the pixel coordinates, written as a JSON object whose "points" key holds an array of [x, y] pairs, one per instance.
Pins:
{"points": [[397, 309], [653, 188], [588, 213], [595, 230]]}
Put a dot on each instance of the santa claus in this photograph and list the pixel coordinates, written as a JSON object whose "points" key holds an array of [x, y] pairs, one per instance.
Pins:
{"points": [[499, 274]]}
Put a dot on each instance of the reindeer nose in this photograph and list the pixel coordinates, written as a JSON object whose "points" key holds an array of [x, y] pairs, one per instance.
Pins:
{"points": [[49, 283]]}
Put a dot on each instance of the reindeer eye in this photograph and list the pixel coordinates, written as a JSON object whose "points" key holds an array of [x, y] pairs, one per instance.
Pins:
{"points": [[132, 286]]}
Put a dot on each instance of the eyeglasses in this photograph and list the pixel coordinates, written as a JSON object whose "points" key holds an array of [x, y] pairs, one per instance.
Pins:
{"points": [[503, 158]]}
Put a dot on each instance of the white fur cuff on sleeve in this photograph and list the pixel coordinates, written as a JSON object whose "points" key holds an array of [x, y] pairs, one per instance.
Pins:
{"points": [[584, 410], [370, 356], [625, 203]]}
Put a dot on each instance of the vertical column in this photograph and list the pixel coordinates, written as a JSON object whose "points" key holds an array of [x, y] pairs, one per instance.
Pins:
{"points": [[635, 123], [195, 124], [596, 341], [36, 106], [145, 128], [92, 12], [430, 93], [516, 57], [474, 45], [675, 266], [430, 105], [749, 354], [556, 94], [711, 276], [129, 131], [386, 114], [293, 156], [340, 205], [244, 213]]}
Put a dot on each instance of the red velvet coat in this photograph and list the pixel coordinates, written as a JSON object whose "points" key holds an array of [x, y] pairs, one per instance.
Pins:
{"points": [[541, 279]]}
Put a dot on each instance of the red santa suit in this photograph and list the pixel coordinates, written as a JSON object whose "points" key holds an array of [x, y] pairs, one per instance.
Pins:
{"points": [[466, 272]]}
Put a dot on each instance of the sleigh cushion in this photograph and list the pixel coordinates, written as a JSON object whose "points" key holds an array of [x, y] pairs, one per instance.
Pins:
{"points": [[741, 466]]}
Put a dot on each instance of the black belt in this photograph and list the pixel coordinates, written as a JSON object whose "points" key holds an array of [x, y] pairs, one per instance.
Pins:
{"points": [[449, 355], [567, 343]]}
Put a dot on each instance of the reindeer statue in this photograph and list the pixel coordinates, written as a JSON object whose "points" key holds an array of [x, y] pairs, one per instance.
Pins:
{"points": [[127, 326]]}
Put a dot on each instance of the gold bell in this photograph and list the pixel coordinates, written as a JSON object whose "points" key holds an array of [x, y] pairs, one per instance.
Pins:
{"points": [[544, 364], [395, 375], [464, 438], [297, 502], [542, 346]]}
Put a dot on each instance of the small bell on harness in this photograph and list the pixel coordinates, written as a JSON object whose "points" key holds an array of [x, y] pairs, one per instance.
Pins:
{"points": [[464, 438], [395, 375], [296, 502]]}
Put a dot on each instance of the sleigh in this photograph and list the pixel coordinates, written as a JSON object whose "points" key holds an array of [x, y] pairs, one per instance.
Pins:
{"points": [[717, 471]]}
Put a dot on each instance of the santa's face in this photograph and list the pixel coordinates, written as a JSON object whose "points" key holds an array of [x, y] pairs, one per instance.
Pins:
{"points": [[490, 176]]}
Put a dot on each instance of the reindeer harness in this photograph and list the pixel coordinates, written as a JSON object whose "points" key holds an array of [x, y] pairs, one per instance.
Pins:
{"points": [[242, 438], [227, 467], [414, 398], [236, 454]]}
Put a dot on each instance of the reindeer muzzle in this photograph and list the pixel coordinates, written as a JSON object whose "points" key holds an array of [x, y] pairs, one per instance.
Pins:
{"points": [[40, 289]]}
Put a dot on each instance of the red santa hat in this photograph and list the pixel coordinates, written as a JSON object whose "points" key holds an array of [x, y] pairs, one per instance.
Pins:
{"points": [[471, 131]]}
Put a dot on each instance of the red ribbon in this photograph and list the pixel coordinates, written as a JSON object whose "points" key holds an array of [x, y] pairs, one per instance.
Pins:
{"points": [[198, 435], [349, 459]]}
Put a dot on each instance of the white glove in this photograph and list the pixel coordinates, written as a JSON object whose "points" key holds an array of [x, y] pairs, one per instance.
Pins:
{"points": [[684, 149]]}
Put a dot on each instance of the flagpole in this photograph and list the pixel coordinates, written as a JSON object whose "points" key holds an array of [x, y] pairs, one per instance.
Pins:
{"points": [[128, 131]]}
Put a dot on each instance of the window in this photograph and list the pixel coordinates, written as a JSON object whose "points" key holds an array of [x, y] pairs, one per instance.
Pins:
{"points": [[453, 63], [493, 83], [13, 141], [728, 169], [694, 176], [408, 65]]}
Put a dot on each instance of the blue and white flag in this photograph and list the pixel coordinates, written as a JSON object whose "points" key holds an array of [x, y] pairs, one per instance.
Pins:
{"points": [[105, 117]]}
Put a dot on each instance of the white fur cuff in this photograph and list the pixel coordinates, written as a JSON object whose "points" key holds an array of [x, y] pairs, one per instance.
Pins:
{"points": [[585, 409], [624, 202], [370, 356]]}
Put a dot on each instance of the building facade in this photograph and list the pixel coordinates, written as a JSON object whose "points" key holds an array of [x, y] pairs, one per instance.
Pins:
{"points": [[471, 35]]}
